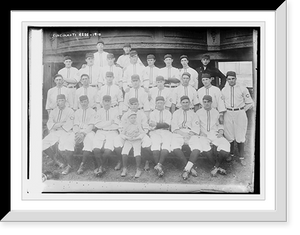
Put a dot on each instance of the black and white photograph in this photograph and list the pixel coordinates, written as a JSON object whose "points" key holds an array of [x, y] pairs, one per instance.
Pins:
{"points": [[150, 109]]}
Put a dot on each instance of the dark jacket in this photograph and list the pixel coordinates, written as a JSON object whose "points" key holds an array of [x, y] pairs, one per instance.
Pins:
{"points": [[214, 72]]}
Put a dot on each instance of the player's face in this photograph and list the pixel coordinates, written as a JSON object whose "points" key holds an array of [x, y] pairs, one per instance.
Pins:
{"points": [[205, 61], [132, 119], [111, 61], [84, 104], [61, 103], [185, 104], [231, 80], [206, 81], [151, 62], [134, 59], [85, 80], [160, 105], [109, 79], [134, 106], [184, 62], [185, 80], [106, 104], [160, 84], [136, 83], [89, 61], [168, 61], [100, 46], [68, 63], [59, 81], [126, 49], [207, 104]]}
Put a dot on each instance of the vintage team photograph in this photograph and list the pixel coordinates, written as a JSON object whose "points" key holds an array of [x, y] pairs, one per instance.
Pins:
{"points": [[171, 107]]}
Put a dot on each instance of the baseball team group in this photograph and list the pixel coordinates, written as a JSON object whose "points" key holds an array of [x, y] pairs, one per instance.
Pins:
{"points": [[122, 107]]}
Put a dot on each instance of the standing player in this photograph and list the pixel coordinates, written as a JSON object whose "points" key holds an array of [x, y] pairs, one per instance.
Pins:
{"points": [[100, 57], [85, 89], [111, 67], [160, 90], [170, 73], [133, 68], [186, 68], [113, 91], [70, 75], [237, 101], [51, 102], [151, 71], [161, 137], [185, 89], [124, 60]]}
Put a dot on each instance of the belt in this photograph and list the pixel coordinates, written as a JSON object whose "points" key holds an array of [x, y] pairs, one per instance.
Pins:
{"points": [[151, 86], [171, 86], [112, 106], [237, 109], [93, 85], [107, 130]]}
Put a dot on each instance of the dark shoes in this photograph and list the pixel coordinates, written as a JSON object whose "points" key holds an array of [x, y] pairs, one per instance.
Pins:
{"points": [[159, 170], [185, 175], [67, 170], [81, 169], [124, 172], [118, 166]]}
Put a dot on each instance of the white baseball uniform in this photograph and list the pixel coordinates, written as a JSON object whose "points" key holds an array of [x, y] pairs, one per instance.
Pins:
{"points": [[62, 116], [142, 97], [94, 73], [185, 121], [215, 93], [133, 69], [124, 60], [160, 138], [83, 118], [209, 126], [91, 93], [185, 91], [100, 58], [107, 122], [150, 74], [170, 72], [70, 76], [194, 76], [165, 92], [237, 100], [116, 97], [52, 97]]}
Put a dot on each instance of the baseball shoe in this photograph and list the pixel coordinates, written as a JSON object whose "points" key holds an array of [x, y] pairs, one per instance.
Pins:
{"points": [[147, 166], [230, 157], [214, 171], [194, 172], [243, 161], [124, 172], [138, 173], [222, 171], [185, 175], [118, 166], [67, 170], [159, 170], [81, 169]]}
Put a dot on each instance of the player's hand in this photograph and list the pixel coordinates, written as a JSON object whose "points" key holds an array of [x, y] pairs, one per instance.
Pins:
{"points": [[220, 133], [221, 119], [152, 124]]}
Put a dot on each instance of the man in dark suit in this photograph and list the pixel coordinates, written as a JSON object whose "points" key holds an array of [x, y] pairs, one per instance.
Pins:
{"points": [[215, 73]]}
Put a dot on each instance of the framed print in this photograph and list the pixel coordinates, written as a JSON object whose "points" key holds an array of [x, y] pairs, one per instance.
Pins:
{"points": [[153, 120]]}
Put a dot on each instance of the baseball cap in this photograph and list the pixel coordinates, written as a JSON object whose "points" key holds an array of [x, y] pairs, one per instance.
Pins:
{"points": [[168, 56], [206, 56], [186, 73], [231, 73], [100, 41], [57, 75], [135, 77], [160, 98], [159, 78], [127, 45], [87, 55], [205, 75], [150, 56], [106, 98], [133, 100], [109, 74], [67, 58], [83, 97], [207, 97], [183, 56], [61, 96], [110, 56], [185, 97], [133, 53]]}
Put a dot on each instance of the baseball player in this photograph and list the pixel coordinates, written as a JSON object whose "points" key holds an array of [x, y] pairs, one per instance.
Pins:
{"points": [[160, 123], [160, 90], [186, 68], [59, 124], [111, 89], [124, 60], [93, 70], [132, 134], [170, 73], [185, 128], [107, 123], [133, 68], [82, 134], [111, 67], [85, 89], [212, 134], [100, 57], [237, 101], [207, 67], [70, 75], [214, 92], [51, 102], [151, 71], [138, 92], [146, 141], [185, 89]]}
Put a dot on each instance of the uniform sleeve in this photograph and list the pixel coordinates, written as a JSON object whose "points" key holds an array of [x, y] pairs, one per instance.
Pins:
{"points": [[220, 102], [146, 102], [144, 123], [174, 95], [169, 98], [195, 97], [48, 102], [168, 119], [76, 118], [247, 97], [68, 125], [126, 101]]}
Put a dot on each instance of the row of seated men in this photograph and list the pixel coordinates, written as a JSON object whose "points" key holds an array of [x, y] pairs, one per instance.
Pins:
{"points": [[152, 125]]}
